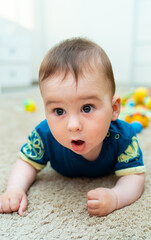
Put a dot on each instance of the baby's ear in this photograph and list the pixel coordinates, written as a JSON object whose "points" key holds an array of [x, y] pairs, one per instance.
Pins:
{"points": [[116, 102]]}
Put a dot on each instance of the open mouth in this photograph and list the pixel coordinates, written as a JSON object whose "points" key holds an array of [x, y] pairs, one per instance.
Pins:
{"points": [[78, 145], [77, 142]]}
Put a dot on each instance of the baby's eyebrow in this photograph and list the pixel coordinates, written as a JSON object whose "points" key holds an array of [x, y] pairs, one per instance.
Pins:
{"points": [[52, 102], [91, 97]]}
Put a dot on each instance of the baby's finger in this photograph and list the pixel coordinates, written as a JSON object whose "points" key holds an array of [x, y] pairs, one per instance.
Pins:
{"points": [[1, 210], [6, 206], [93, 195], [94, 204], [23, 205], [14, 204], [93, 212]]}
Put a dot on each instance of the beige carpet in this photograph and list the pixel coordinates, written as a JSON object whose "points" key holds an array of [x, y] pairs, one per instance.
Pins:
{"points": [[56, 208]]}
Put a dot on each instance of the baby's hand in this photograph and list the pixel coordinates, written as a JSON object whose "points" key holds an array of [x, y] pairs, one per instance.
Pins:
{"points": [[12, 201], [101, 201]]}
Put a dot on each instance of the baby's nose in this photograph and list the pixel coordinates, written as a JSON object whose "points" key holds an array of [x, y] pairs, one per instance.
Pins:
{"points": [[74, 124]]}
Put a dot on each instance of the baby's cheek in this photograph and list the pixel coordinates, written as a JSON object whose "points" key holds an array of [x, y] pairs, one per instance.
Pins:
{"points": [[61, 137]]}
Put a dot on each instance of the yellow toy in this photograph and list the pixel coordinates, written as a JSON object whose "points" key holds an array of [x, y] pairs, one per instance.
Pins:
{"points": [[29, 105], [139, 95], [143, 119], [147, 102]]}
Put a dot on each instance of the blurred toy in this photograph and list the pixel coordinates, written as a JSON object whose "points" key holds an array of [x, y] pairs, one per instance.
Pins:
{"points": [[139, 95], [141, 118], [137, 126], [147, 102], [130, 102], [29, 105], [136, 108], [125, 98], [149, 91]]}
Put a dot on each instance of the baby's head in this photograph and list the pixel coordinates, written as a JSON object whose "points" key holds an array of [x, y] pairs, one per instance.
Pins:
{"points": [[77, 56], [77, 87]]}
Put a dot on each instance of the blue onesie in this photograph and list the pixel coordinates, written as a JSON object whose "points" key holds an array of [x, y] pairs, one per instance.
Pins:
{"points": [[120, 153]]}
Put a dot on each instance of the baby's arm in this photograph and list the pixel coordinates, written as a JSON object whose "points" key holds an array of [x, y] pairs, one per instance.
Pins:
{"points": [[21, 178], [128, 189]]}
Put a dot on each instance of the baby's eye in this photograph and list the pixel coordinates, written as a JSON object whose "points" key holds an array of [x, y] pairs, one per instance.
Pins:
{"points": [[87, 108], [59, 111]]}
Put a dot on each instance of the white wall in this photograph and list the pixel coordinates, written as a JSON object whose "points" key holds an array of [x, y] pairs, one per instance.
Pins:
{"points": [[141, 60], [107, 22], [122, 28], [38, 36]]}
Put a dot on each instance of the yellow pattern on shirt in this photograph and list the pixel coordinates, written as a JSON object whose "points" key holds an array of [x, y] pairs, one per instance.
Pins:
{"points": [[34, 149], [131, 152]]}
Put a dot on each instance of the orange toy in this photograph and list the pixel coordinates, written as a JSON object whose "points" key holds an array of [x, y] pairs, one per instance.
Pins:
{"points": [[144, 120]]}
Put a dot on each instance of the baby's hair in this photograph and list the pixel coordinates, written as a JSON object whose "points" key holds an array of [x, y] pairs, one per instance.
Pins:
{"points": [[76, 55]]}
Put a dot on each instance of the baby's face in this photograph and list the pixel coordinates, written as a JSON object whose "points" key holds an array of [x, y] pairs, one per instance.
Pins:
{"points": [[78, 115]]}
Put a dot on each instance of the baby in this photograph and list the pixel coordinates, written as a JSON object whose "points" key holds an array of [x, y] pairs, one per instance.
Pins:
{"points": [[81, 136]]}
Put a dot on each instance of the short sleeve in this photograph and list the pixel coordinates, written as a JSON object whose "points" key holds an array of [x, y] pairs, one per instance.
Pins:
{"points": [[130, 160], [33, 151]]}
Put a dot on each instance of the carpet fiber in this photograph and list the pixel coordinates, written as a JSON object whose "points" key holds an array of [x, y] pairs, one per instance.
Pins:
{"points": [[57, 204]]}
